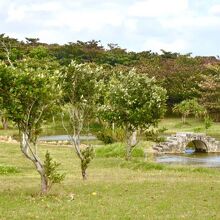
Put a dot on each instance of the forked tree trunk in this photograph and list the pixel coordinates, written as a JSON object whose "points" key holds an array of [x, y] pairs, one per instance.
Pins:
{"points": [[131, 143], [29, 154]]}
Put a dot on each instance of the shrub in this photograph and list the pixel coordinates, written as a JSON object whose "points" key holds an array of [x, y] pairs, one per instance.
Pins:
{"points": [[51, 170], [6, 170], [155, 135], [87, 156], [108, 136], [117, 150]]}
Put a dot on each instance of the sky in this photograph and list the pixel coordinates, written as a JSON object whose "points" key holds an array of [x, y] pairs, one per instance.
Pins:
{"points": [[182, 26]]}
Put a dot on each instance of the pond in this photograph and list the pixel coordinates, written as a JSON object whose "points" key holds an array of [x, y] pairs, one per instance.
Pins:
{"points": [[191, 158], [65, 138]]}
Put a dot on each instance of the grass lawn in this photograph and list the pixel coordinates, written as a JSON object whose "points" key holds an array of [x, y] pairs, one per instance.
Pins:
{"points": [[114, 190]]}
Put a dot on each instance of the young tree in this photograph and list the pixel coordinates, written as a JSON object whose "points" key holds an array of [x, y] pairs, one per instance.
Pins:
{"points": [[134, 102], [207, 122], [29, 92], [189, 107], [80, 92]]}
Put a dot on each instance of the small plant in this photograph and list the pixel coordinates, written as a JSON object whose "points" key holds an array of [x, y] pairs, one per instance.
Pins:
{"points": [[87, 156], [155, 134], [51, 173], [207, 122], [198, 129]]}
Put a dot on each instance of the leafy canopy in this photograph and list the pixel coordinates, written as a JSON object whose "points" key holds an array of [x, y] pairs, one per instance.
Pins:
{"points": [[29, 92], [132, 100], [189, 107]]}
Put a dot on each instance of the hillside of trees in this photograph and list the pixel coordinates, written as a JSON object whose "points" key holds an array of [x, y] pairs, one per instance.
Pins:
{"points": [[183, 76]]}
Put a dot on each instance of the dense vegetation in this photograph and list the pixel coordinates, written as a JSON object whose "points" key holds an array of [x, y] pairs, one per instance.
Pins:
{"points": [[183, 76], [124, 95]]}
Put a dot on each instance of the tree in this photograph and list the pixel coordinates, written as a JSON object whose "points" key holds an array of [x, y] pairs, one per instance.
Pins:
{"points": [[189, 107], [29, 93], [181, 78], [10, 50], [133, 102], [51, 173], [210, 91], [80, 90]]}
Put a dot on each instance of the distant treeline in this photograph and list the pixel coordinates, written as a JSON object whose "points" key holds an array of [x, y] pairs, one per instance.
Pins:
{"points": [[183, 76]]}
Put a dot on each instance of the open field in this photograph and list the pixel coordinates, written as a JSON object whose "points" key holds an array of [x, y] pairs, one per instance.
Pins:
{"points": [[115, 189]]}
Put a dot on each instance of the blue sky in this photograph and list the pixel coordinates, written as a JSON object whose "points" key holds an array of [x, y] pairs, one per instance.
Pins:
{"points": [[174, 25]]}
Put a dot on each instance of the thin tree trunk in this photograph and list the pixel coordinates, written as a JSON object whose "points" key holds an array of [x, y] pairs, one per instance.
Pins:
{"points": [[44, 180], [44, 183], [183, 118], [113, 126], [131, 143], [4, 123], [29, 154], [53, 119]]}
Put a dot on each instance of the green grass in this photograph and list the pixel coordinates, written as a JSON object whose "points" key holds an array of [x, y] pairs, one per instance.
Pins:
{"points": [[115, 189], [7, 170], [117, 150]]}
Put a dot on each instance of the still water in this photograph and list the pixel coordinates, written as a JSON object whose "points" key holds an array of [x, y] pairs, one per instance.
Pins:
{"points": [[191, 158]]}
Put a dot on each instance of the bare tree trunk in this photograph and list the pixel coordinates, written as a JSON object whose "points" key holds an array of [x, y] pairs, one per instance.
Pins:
{"points": [[29, 154], [41, 171], [183, 118], [53, 119], [4, 123], [131, 143]]}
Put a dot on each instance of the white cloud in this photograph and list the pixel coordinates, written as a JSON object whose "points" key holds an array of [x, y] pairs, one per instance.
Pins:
{"points": [[52, 36], [20, 12], [215, 9], [192, 22], [156, 44], [178, 25], [131, 25], [157, 8], [85, 20], [69, 15], [16, 13]]}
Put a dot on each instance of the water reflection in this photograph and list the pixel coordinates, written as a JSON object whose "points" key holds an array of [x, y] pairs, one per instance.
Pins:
{"points": [[191, 158]]}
